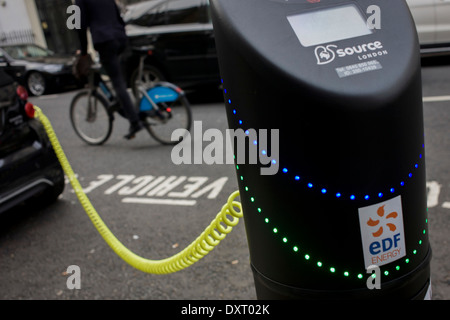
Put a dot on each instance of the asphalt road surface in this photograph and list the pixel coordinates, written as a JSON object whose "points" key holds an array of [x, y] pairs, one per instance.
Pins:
{"points": [[37, 245]]}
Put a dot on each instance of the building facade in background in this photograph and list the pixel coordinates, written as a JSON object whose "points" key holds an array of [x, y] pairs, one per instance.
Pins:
{"points": [[20, 22], [40, 21]]}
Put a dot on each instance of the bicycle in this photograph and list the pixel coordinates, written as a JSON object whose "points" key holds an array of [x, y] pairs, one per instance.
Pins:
{"points": [[162, 107]]}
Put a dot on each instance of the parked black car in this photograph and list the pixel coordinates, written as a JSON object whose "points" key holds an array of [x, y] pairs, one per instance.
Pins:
{"points": [[182, 34], [28, 165], [36, 68]]}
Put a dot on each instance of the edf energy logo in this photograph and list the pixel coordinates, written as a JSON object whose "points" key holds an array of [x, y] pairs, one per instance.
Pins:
{"points": [[382, 232]]}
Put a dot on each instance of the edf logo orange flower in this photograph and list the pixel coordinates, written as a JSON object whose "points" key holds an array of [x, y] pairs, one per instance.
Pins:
{"points": [[376, 223], [382, 233]]}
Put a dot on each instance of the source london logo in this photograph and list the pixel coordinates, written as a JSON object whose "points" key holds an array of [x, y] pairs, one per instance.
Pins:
{"points": [[326, 54], [362, 52], [382, 232]]}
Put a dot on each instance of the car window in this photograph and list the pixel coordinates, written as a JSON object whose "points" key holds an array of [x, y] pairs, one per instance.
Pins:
{"points": [[158, 13], [184, 11], [26, 51], [208, 12], [147, 14], [36, 52]]}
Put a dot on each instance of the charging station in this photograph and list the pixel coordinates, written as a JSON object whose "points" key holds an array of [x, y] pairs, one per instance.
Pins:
{"points": [[347, 206]]}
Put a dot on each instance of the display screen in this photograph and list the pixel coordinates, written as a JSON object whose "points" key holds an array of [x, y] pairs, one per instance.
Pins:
{"points": [[329, 25]]}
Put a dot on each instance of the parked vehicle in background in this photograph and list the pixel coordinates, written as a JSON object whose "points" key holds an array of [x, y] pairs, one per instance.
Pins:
{"points": [[184, 49], [36, 68], [432, 18], [182, 34], [29, 168]]}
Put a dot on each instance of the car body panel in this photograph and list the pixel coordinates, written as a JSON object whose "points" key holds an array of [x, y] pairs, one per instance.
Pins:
{"points": [[432, 18], [182, 34], [56, 69], [183, 38], [443, 21], [28, 164], [424, 14]]}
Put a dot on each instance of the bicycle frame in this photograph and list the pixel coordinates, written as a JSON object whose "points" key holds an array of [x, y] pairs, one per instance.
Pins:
{"points": [[92, 107], [154, 102], [141, 87], [161, 90], [93, 86]]}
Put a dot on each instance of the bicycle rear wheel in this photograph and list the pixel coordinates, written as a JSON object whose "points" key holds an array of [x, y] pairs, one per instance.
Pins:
{"points": [[172, 115], [90, 118]]}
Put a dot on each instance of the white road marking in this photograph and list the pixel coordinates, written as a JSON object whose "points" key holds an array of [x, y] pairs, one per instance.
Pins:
{"points": [[171, 202], [434, 188], [436, 99]]}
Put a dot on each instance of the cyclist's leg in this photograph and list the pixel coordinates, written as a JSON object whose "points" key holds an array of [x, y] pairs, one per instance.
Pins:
{"points": [[109, 56]]}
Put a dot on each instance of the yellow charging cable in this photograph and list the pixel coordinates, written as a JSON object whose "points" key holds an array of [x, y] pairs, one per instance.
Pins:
{"points": [[207, 241]]}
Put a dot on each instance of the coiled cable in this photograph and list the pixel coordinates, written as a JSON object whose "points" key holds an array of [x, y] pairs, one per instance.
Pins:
{"points": [[200, 247]]}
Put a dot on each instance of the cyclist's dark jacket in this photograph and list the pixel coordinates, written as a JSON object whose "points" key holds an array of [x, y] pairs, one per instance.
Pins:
{"points": [[103, 19]]}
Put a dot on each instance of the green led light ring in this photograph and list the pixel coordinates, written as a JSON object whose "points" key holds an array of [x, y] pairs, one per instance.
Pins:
{"points": [[332, 269]]}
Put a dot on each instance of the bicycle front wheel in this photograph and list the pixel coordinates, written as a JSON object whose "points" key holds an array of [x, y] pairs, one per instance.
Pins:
{"points": [[90, 118], [170, 116]]}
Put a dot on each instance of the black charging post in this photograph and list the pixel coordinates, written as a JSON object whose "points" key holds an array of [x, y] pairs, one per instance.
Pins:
{"points": [[349, 196]]}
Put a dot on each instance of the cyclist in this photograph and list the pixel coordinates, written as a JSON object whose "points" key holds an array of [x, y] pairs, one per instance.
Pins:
{"points": [[107, 28]]}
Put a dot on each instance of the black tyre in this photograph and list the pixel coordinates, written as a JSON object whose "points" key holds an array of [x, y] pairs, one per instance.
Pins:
{"points": [[36, 84], [92, 122]]}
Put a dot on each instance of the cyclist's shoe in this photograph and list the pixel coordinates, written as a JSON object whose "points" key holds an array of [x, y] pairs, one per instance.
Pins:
{"points": [[134, 128]]}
